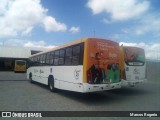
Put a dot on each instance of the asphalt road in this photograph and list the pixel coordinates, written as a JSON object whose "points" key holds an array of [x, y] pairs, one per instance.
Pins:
{"points": [[21, 95]]}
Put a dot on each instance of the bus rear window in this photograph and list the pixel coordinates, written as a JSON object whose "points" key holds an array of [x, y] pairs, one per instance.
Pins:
{"points": [[134, 56]]}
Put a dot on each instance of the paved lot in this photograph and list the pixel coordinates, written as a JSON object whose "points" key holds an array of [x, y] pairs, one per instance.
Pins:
{"points": [[23, 96], [11, 76]]}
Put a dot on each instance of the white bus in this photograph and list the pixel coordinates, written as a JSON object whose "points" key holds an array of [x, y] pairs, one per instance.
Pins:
{"points": [[133, 66], [86, 65]]}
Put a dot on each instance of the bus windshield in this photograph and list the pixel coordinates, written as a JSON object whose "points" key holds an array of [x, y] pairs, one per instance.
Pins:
{"points": [[20, 62], [134, 56]]}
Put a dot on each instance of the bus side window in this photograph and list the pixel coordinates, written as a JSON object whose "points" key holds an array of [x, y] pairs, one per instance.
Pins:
{"points": [[51, 58], [37, 59], [33, 59], [68, 56], [61, 57], [30, 59], [44, 59], [56, 57], [40, 59], [76, 55], [30, 62], [47, 58]]}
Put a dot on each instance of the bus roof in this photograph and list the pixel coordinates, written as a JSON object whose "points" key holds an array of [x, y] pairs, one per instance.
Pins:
{"points": [[71, 43], [133, 47]]}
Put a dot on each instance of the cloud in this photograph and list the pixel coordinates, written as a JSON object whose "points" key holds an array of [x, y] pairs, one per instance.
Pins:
{"points": [[107, 21], [20, 17], [148, 24], [27, 31], [52, 25], [14, 42], [119, 10], [74, 29], [141, 12], [35, 45], [152, 51], [38, 45], [41, 45]]}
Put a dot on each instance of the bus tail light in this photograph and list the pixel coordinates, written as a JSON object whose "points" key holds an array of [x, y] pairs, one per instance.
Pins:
{"points": [[127, 68]]}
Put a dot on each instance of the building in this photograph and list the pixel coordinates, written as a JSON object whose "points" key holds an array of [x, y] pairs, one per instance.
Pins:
{"points": [[8, 55]]}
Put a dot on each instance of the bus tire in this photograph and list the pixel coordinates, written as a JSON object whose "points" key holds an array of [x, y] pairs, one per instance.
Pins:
{"points": [[30, 78], [51, 84]]}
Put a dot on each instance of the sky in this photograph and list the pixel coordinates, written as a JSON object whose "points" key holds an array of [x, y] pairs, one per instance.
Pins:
{"points": [[44, 24]]}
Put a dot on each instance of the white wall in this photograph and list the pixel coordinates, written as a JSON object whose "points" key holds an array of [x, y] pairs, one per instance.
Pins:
{"points": [[13, 52]]}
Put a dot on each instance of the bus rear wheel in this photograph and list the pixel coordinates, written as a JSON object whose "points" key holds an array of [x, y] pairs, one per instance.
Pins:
{"points": [[51, 84]]}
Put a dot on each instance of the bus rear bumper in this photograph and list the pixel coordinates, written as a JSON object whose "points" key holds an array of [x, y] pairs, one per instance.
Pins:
{"points": [[132, 83], [100, 87]]}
